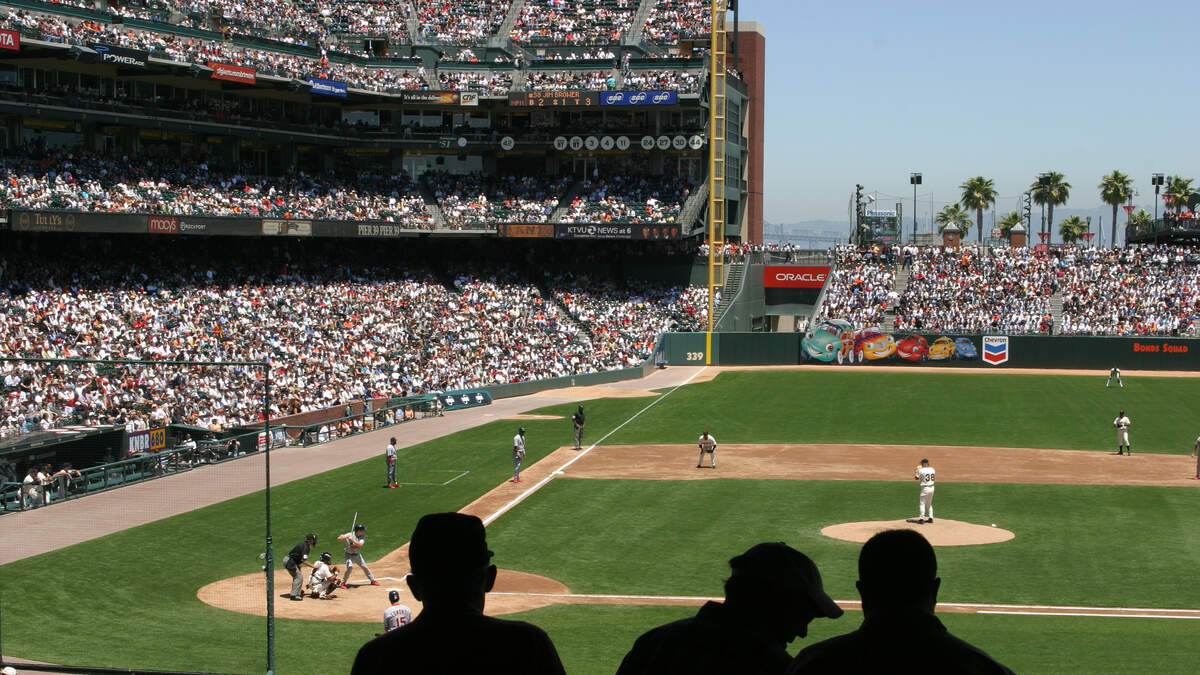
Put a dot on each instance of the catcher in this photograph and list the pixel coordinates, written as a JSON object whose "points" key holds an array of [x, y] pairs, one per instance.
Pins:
{"points": [[324, 578]]}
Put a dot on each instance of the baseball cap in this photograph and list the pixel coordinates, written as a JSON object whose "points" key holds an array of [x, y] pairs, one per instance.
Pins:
{"points": [[779, 565], [448, 544]]}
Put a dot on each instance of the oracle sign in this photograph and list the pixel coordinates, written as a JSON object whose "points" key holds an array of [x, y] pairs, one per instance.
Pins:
{"points": [[232, 73], [163, 225], [794, 276]]}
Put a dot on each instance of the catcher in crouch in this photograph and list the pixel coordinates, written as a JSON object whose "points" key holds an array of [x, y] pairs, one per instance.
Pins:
{"points": [[324, 578]]}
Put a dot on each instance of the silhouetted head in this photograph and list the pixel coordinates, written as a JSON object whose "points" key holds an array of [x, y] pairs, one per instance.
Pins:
{"points": [[450, 559], [897, 569], [780, 586]]}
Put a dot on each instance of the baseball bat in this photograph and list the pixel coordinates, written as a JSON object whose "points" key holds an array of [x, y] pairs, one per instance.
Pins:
{"points": [[352, 525]]}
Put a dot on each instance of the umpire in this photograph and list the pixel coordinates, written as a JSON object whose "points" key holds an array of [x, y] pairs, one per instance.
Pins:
{"points": [[295, 558]]}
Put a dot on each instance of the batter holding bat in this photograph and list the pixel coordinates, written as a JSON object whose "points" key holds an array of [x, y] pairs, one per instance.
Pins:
{"points": [[354, 542]]}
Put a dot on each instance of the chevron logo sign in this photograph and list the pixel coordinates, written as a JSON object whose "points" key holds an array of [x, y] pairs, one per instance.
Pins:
{"points": [[995, 349]]}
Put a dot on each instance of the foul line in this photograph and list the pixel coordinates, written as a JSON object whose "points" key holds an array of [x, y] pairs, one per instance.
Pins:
{"points": [[536, 486], [460, 475], [980, 608]]}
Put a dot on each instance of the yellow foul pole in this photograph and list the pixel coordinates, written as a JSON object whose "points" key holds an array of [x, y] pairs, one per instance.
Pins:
{"points": [[716, 167]]}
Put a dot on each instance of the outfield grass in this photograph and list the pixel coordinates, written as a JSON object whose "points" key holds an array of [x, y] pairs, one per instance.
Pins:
{"points": [[134, 592]]}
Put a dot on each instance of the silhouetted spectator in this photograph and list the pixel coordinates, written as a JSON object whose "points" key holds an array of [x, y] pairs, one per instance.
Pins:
{"points": [[773, 594], [897, 578], [451, 573]]}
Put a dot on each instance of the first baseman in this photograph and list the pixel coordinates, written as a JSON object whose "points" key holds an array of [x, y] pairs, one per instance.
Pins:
{"points": [[1114, 373], [925, 474], [1122, 426], [518, 454], [396, 614], [354, 543], [390, 455], [707, 444]]}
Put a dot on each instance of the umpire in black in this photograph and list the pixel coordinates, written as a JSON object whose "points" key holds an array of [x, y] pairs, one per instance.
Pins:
{"points": [[295, 558]]}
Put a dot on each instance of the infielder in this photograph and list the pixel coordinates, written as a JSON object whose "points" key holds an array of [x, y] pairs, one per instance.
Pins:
{"points": [[390, 455], [396, 615], [1115, 372], [707, 444], [1122, 426], [518, 454], [354, 543], [925, 474], [577, 421], [323, 580]]}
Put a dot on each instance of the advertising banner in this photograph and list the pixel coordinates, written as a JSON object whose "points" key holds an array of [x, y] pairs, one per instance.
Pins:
{"points": [[232, 73], [649, 97], [326, 87], [526, 230], [470, 398], [592, 231], [657, 232], [440, 97], [293, 228], [795, 276], [10, 39], [150, 440], [162, 224], [120, 56]]}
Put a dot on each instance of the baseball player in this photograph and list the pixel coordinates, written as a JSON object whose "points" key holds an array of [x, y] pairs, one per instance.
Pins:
{"points": [[396, 615], [925, 475], [1196, 454], [577, 421], [707, 444], [518, 454], [295, 558], [1115, 372], [390, 455], [354, 543], [323, 580], [1122, 426]]}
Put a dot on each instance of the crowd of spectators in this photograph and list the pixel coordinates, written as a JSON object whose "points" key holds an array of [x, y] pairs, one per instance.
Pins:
{"points": [[564, 80], [861, 287], [976, 290], [670, 20], [460, 21], [574, 21], [484, 200], [337, 324], [1139, 290], [683, 81], [629, 199], [198, 51], [77, 180], [484, 82]]}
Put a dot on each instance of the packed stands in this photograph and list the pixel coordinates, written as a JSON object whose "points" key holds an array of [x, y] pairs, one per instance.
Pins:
{"points": [[483, 201], [341, 319], [460, 21], [861, 287], [76, 180], [671, 20], [569, 79], [1140, 290], [485, 82], [683, 81], [629, 199], [574, 21]]}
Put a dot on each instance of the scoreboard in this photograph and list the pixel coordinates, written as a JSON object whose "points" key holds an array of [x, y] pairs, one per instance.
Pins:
{"points": [[554, 99]]}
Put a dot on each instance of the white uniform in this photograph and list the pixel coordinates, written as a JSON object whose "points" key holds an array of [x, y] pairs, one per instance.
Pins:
{"points": [[396, 616], [925, 475], [1122, 424], [354, 546], [1114, 373], [707, 444], [322, 579], [518, 456]]}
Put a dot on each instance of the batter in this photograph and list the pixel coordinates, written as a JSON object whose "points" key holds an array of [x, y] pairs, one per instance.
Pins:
{"points": [[354, 543]]}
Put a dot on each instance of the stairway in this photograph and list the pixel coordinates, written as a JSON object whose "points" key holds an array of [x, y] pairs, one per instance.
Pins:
{"points": [[692, 207], [634, 35], [585, 329], [729, 290], [434, 208], [414, 26], [903, 274], [564, 202], [1056, 310], [504, 32]]}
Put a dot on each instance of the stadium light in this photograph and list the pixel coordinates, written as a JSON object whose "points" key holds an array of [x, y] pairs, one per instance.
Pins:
{"points": [[1156, 179], [914, 179]]}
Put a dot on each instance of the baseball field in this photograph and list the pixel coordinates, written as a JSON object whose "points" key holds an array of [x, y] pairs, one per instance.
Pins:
{"points": [[1090, 566]]}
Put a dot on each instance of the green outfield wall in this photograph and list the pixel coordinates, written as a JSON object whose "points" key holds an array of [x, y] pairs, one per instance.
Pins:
{"points": [[1016, 351]]}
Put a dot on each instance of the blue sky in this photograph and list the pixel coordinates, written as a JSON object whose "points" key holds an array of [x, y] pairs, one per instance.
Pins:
{"points": [[867, 92]]}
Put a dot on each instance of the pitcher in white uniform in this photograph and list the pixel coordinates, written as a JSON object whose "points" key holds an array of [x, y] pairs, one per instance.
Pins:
{"points": [[1122, 425], [925, 474]]}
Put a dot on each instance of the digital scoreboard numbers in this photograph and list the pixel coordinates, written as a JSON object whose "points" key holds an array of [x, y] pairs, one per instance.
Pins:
{"points": [[554, 99]]}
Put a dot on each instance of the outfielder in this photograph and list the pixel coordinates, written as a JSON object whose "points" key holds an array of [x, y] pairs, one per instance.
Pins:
{"points": [[925, 474], [396, 615], [518, 454], [1122, 426], [390, 455], [323, 580], [354, 543], [1115, 372], [707, 444]]}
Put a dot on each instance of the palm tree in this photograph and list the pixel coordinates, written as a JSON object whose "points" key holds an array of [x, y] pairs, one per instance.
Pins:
{"points": [[978, 193], [1180, 189], [953, 214], [1072, 229], [1009, 221], [1140, 217], [1053, 191], [1115, 189]]}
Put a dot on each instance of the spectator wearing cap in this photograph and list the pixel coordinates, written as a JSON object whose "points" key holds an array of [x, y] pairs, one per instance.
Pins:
{"points": [[772, 595], [451, 574], [897, 578]]}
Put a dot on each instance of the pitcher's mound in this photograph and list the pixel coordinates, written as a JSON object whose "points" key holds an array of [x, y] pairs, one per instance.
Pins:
{"points": [[939, 532]]}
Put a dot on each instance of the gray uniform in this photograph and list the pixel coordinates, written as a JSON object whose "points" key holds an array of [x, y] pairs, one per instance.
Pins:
{"points": [[354, 544], [518, 455]]}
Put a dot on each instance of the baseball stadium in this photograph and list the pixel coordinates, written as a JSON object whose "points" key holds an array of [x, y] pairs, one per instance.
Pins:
{"points": [[279, 280]]}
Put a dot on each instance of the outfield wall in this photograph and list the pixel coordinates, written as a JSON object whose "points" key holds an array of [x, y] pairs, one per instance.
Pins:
{"points": [[1023, 351]]}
